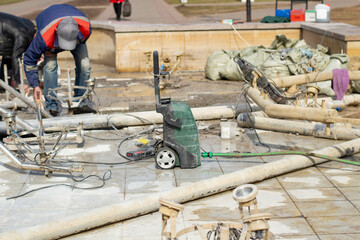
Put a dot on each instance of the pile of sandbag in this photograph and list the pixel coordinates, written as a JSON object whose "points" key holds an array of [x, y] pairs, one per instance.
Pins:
{"points": [[283, 58]]}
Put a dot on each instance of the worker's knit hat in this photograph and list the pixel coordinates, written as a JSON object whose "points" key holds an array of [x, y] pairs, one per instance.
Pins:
{"points": [[68, 31]]}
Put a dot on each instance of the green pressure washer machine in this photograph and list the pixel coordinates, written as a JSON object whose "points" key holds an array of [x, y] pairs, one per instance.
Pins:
{"points": [[180, 145]]}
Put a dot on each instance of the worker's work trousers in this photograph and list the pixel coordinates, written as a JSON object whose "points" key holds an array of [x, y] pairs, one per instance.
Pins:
{"points": [[82, 73]]}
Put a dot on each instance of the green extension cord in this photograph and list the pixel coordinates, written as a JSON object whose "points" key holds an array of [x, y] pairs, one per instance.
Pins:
{"points": [[211, 154]]}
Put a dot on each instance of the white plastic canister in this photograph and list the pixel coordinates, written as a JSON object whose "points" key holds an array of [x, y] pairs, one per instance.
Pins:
{"points": [[322, 13], [227, 129]]}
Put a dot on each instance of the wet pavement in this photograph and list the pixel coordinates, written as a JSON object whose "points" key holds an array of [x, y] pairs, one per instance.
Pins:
{"points": [[319, 202]]}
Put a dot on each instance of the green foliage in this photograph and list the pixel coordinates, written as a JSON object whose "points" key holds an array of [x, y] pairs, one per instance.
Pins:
{"points": [[4, 2]]}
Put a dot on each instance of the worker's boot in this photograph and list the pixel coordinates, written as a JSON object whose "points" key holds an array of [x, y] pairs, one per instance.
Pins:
{"points": [[85, 106]]}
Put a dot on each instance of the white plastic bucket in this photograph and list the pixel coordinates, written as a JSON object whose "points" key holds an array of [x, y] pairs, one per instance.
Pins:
{"points": [[322, 13], [228, 129]]}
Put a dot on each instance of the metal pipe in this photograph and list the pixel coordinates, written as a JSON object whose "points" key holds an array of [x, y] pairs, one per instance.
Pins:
{"points": [[19, 121], [91, 121], [260, 121], [22, 86], [94, 218], [7, 95], [13, 104], [22, 98], [310, 78], [25, 166]]}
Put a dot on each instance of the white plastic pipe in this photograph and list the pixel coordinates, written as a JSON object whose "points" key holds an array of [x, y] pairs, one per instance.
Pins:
{"points": [[133, 208], [292, 112], [316, 129], [91, 121], [348, 100], [13, 104], [310, 78]]}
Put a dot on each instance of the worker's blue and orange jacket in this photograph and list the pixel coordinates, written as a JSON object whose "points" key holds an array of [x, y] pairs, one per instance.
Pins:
{"points": [[46, 39]]}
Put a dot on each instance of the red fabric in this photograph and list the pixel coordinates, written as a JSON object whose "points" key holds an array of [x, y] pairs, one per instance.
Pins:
{"points": [[117, 1], [49, 35]]}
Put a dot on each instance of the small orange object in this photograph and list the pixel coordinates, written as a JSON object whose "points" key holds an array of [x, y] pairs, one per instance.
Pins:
{"points": [[297, 15]]}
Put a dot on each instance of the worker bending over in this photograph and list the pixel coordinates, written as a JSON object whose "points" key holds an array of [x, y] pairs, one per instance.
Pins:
{"points": [[60, 28]]}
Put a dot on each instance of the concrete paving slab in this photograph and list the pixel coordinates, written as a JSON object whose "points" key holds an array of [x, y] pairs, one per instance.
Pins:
{"points": [[345, 180], [290, 227], [39, 178], [131, 196], [301, 237], [6, 204], [277, 202], [85, 203], [48, 191], [233, 165], [15, 219], [310, 143], [356, 204], [118, 172], [351, 193], [343, 236], [207, 170], [272, 183], [334, 168], [145, 227], [340, 224], [315, 194], [125, 182], [204, 212], [8, 176], [144, 171], [221, 207], [149, 186], [9, 189], [41, 203], [326, 208], [111, 232], [306, 178]]}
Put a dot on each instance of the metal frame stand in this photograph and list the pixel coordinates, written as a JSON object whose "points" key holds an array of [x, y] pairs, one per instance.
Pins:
{"points": [[18, 144], [70, 100], [253, 226]]}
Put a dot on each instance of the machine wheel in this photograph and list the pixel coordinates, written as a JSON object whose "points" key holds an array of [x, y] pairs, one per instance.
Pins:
{"points": [[166, 158]]}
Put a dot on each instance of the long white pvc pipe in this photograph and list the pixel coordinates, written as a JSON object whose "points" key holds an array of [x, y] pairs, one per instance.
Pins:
{"points": [[310, 78], [13, 104], [292, 112], [133, 208], [91, 121], [348, 100], [316, 129]]}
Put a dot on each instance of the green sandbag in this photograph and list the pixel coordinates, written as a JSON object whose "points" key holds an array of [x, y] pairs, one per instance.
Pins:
{"points": [[283, 58], [272, 19], [221, 65]]}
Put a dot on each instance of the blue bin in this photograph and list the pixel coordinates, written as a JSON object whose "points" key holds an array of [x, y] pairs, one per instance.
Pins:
{"points": [[282, 13]]}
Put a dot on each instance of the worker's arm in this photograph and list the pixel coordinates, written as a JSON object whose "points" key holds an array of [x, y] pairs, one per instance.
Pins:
{"points": [[31, 57]]}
